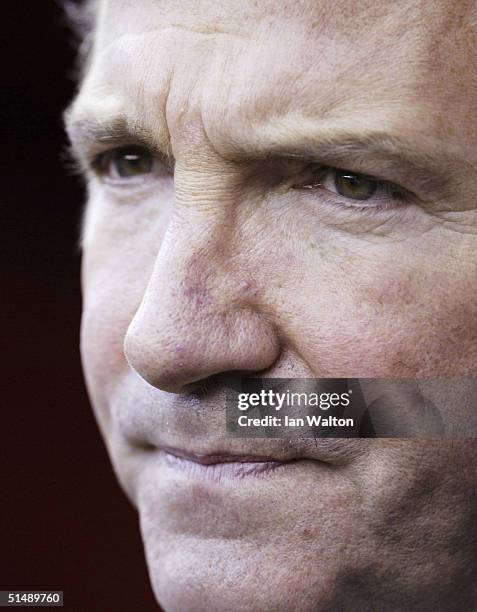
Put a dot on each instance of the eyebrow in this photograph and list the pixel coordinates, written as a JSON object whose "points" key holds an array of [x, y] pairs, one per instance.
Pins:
{"points": [[89, 135], [374, 152], [377, 153]]}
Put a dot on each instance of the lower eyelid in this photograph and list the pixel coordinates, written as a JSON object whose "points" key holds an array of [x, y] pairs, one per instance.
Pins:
{"points": [[373, 205], [356, 206]]}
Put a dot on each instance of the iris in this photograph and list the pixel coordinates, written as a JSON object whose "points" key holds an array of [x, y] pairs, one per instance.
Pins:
{"points": [[131, 161], [354, 186]]}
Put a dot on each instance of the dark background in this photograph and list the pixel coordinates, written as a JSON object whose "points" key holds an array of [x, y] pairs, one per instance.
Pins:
{"points": [[64, 522]]}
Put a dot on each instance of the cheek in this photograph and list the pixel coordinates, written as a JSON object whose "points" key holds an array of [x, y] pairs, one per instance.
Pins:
{"points": [[102, 334], [120, 246], [428, 317], [111, 296], [382, 321], [103, 327]]}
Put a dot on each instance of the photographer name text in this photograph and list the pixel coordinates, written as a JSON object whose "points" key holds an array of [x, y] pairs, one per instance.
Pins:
{"points": [[286, 421]]}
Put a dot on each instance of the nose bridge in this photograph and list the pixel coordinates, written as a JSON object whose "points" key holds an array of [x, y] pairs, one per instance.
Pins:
{"points": [[198, 251], [191, 266], [198, 316]]}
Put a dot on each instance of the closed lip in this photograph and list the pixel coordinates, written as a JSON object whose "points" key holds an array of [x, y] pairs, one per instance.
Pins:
{"points": [[336, 451], [219, 466], [216, 458]]}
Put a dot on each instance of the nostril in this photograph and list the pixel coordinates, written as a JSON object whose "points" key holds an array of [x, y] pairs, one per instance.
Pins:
{"points": [[180, 348], [199, 389], [144, 446]]}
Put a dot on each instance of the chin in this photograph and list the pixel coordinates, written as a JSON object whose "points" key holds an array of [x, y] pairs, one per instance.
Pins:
{"points": [[215, 576]]}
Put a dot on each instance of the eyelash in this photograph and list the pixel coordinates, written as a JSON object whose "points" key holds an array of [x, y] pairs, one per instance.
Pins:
{"points": [[318, 176], [103, 163], [396, 195]]}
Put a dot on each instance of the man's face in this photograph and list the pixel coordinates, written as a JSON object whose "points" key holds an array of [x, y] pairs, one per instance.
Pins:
{"points": [[285, 188]]}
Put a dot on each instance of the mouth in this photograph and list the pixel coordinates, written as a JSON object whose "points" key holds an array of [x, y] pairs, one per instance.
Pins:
{"points": [[186, 436], [220, 467]]}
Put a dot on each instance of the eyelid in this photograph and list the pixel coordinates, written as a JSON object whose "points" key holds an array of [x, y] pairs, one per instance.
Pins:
{"points": [[100, 160], [380, 184], [396, 192]]}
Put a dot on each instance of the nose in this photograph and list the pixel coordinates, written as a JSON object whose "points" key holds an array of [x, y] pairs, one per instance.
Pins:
{"points": [[200, 314]]}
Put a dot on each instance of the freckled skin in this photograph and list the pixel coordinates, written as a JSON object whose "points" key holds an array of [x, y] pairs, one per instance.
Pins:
{"points": [[225, 268]]}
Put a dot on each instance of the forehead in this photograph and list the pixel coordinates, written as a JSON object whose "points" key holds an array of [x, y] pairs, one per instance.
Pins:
{"points": [[232, 63]]}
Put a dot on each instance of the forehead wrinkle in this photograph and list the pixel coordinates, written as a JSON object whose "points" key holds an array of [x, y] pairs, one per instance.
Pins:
{"points": [[230, 139], [241, 96], [332, 57]]}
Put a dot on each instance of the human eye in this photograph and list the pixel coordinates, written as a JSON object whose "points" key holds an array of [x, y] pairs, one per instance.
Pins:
{"points": [[126, 164], [351, 189]]}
